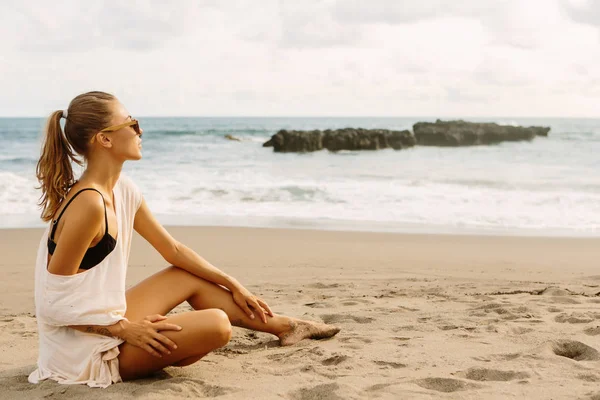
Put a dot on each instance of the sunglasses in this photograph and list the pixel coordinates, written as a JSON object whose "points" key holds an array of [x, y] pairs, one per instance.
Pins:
{"points": [[133, 123]]}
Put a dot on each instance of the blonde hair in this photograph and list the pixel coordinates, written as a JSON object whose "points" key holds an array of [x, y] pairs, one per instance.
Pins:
{"points": [[87, 114]]}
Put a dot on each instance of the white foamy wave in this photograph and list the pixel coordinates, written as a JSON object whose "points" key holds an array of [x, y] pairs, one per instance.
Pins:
{"points": [[256, 139], [189, 170], [17, 194], [393, 201]]}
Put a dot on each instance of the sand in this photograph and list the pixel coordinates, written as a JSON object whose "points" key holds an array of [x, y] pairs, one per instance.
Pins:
{"points": [[422, 317]]}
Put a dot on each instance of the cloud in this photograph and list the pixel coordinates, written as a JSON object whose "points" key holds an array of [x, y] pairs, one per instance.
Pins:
{"points": [[410, 11], [313, 57], [299, 25], [69, 26], [315, 29], [515, 23], [583, 11], [501, 71], [460, 95]]}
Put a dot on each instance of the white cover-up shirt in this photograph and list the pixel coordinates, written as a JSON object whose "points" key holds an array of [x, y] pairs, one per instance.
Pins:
{"points": [[93, 297]]}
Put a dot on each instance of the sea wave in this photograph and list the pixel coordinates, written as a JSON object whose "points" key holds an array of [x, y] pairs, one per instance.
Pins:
{"points": [[18, 194], [549, 183], [17, 160], [210, 132]]}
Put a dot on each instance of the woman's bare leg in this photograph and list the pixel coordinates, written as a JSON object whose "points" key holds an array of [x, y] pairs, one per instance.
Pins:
{"points": [[203, 331], [166, 289]]}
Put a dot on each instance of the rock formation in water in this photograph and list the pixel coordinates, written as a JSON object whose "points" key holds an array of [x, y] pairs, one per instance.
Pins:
{"points": [[439, 133], [462, 133], [340, 139]]}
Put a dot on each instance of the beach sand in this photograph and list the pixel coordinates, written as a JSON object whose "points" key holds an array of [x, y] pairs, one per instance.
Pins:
{"points": [[422, 317]]}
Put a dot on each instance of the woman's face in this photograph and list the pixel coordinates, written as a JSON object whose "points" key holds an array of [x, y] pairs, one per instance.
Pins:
{"points": [[126, 142]]}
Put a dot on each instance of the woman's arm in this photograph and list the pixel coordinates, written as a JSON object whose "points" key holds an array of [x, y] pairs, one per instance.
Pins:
{"points": [[144, 334], [176, 253], [185, 258], [113, 330]]}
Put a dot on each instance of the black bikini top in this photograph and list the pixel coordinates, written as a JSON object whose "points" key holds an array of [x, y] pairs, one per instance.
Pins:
{"points": [[94, 255]]}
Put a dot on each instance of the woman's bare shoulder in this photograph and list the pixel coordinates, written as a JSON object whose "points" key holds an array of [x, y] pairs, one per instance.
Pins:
{"points": [[83, 221], [80, 202]]}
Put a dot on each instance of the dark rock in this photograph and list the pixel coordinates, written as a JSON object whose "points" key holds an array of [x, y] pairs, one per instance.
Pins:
{"points": [[295, 141], [401, 139], [340, 139], [462, 133]]}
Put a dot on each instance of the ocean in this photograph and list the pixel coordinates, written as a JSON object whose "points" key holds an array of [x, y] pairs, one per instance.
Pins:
{"points": [[191, 175]]}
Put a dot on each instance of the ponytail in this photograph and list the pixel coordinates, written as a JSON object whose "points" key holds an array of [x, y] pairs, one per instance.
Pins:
{"points": [[88, 113], [54, 170]]}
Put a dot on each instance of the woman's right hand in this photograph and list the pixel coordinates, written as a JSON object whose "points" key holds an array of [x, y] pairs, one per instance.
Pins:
{"points": [[145, 334]]}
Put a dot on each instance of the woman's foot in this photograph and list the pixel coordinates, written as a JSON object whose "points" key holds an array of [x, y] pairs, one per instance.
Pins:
{"points": [[300, 329]]}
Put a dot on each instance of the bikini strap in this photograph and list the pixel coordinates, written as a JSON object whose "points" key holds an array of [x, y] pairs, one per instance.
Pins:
{"points": [[55, 222]]}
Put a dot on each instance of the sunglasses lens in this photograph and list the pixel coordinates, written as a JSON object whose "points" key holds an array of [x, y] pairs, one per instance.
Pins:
{"points": [[136, 127]]}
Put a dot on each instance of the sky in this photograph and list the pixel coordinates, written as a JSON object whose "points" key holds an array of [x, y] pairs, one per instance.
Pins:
{"points": [[538, 58]]}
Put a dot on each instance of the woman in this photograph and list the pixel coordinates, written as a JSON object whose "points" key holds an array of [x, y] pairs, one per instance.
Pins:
{"points": [[91, 330]]}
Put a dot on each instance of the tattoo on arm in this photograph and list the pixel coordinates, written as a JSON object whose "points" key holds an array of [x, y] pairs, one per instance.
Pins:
{"points": [[99, 330]]}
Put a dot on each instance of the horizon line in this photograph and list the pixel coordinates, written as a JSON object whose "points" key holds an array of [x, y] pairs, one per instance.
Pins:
{"points": [[332, 116]]}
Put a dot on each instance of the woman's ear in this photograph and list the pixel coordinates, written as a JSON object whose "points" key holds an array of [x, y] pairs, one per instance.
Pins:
{"points": [[102, 139]]}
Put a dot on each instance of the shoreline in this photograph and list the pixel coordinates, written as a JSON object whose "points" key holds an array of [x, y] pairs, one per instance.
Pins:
{"points": [[330, 225]]}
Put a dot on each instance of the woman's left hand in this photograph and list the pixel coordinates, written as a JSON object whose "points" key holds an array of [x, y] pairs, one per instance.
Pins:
{"points": [[246, 300]]}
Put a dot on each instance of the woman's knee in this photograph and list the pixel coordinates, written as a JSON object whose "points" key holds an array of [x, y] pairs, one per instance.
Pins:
{"points": [[211, 327], [220, 325]]}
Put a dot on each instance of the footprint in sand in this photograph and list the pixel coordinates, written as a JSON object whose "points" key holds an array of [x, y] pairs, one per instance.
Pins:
{"points": [[335, 360], [336, 318], [22, 326], [563, 300], [445, 385], [592, 331], [520, 330], [321, 392], [498, 357], [503, 311], [316, 304], [187, 386], [314, 356], [353, 339], [390, 364], [352, 301], [589, 377], [390, 294], [447, 327], [574, 318], [319, 285], [575, 350], [485, 374], [378, 386], [16, 380]]}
